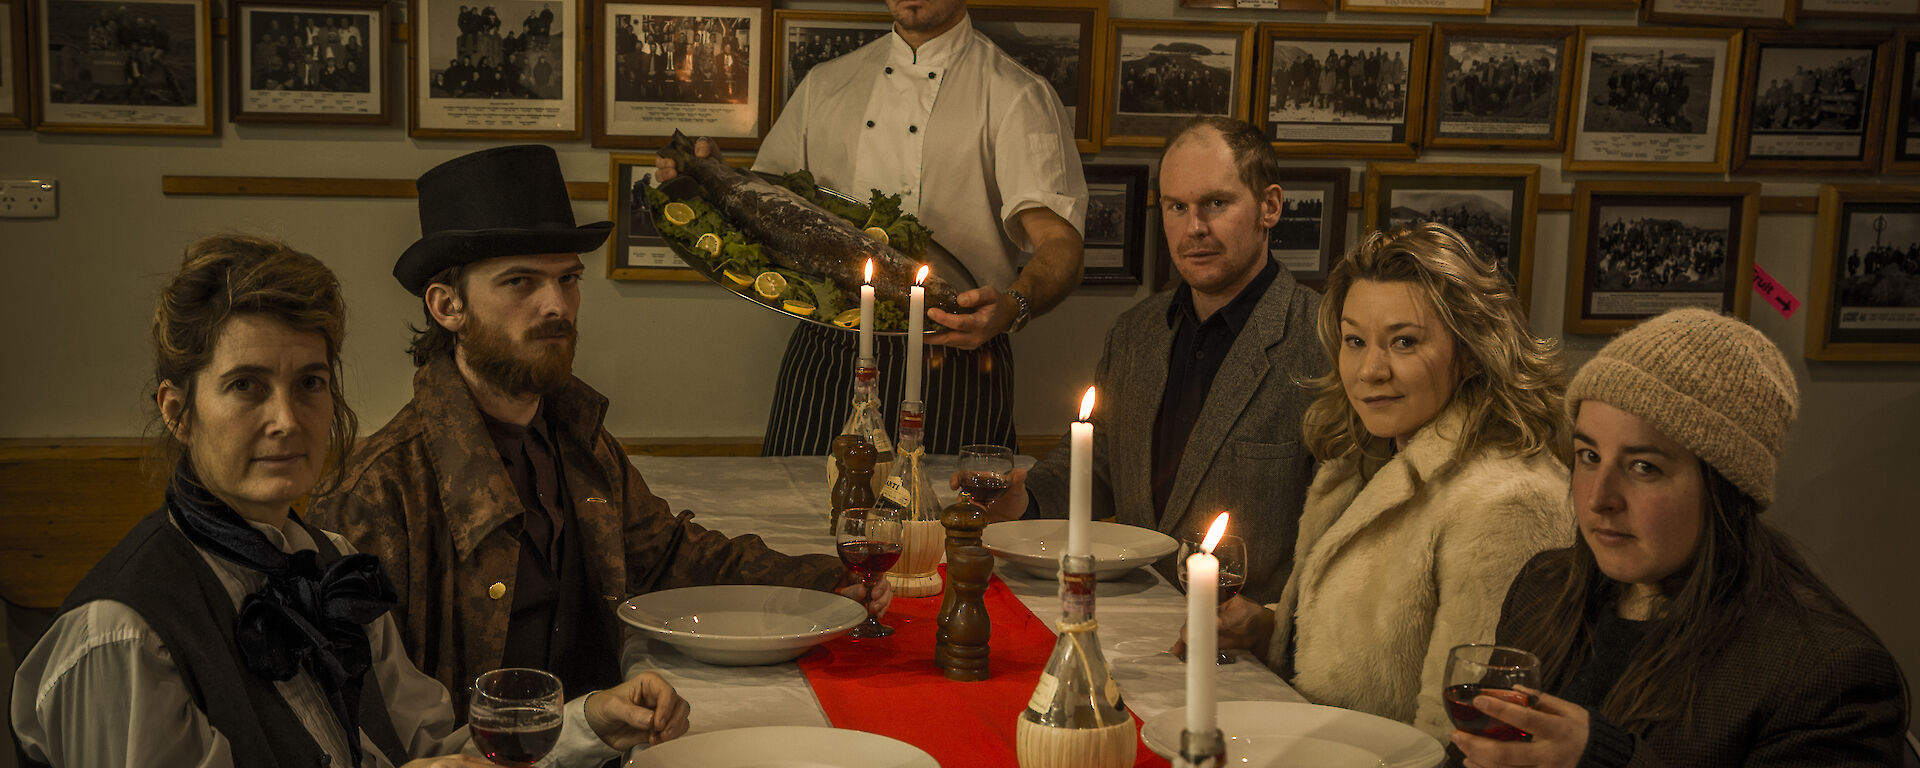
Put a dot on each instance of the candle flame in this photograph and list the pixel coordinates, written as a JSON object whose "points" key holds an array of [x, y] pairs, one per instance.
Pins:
{"points": [[869, 270], [921, 276], [1214, 533], [1086, 405]]}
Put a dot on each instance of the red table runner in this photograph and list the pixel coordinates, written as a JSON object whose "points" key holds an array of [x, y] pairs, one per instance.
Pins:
{"points": [[891, 687]]}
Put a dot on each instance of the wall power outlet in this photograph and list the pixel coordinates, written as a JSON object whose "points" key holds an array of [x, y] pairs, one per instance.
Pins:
{"points": [[29, 198]]}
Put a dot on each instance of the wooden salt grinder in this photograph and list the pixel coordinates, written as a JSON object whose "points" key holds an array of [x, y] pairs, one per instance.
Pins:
{"points": [[961, 651]]}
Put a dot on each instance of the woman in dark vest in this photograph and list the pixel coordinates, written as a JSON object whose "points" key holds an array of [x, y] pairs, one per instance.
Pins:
{"points": [[223, 630], [1680, 629]]}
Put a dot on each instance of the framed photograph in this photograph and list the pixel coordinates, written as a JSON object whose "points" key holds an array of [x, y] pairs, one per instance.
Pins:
{"points": [[1116, 234], [1640, 249], [1629, 5], [1312, 232], [124, 67], [805, 38], [1881, 10], [304, 63], [1261, 5], [1732, 13], [1462, 7], [16, 84], [1500, 86], [1903, 138], [1651, 99], [1491, 206], [1812, 102], [1164, 71], [1330, 90], [508, 69], [681, 65], [1061, 44], [635, 250], [1866, 275]]}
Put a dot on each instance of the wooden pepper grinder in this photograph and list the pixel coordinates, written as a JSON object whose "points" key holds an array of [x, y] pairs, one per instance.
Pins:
{"points": [[853, 488], [961, 651]]}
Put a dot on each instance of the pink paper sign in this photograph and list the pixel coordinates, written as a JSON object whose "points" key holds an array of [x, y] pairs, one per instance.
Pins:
{"points": [[1776, 294]]}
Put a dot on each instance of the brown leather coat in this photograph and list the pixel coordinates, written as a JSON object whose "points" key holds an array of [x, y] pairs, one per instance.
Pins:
{"points": [[429, 495]]}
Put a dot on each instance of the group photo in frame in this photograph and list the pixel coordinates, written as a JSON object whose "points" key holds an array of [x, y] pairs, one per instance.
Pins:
{"points": [[1116, 227], [1058, 40], [1653, 99], [1903, 136], [1732, 13], [1312, 232], [699, 67], [1872, 10], [1493, 207], [308, 63], [504, 69], [1161, 72], [16, 88], [1812, 102], [1865, 302], [1500, 86], [1331, 90], [1455, 7], [805, 39], [106, 66], [1641, 248]]}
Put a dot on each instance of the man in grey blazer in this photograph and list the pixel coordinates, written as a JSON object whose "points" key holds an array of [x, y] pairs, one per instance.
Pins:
{"points": [[1202, 386]]}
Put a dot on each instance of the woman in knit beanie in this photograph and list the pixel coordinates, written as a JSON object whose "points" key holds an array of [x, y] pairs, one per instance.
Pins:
{"points": [[1680, 629]]}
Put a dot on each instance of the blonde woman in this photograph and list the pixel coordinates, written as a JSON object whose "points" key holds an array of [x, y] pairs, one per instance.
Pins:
{"points": [[1439, 477]]}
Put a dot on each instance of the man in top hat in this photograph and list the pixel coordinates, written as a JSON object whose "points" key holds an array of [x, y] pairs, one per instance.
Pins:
{"points": [[511, 522]]}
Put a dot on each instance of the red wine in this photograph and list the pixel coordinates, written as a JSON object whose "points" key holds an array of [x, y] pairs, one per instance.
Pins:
{"points": [[1469, 718], [984, 487], [869, 559], [529, 735], [1230, 585]]}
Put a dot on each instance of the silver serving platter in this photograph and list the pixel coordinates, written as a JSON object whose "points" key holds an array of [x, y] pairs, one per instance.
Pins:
{"points": [[683, 187]]}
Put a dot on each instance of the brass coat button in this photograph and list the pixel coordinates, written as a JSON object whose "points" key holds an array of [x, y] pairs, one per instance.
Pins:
{"points": [[498, 590]]}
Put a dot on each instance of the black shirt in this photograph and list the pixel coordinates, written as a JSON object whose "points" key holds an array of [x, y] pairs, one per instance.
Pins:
{"points": [[1199, 347], [1616, 641]]}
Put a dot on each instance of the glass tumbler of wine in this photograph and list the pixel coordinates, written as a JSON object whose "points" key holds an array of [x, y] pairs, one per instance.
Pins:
{"points": [[1489, 670], [515, 715], [869, 542], [983, 472], [1232, 554]]}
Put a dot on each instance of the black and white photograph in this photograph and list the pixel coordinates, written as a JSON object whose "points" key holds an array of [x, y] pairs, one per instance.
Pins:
{"points": [[635, 250], [1732, 13], [1312, 230], [14, 105], [1050, 49], [1864, 303], [1500, 87], [1639, 249], [1484, 217], [1300, 229], [1903, 145], [1653, 99], [1465, 7], [1812, 102], [125, 66], [810, 38], [689, 67], [309, 63], [1163, 73], [1491, 206], [1348, 90], [503, 66], [1116, 224]]}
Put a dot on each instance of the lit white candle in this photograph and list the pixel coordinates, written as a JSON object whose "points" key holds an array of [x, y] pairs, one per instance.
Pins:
{"points": [[1203, 640], [916, 325], [1080, 482], [866, 316]]}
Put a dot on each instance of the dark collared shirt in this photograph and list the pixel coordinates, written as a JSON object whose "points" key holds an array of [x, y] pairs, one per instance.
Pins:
{"points": [[1199, 347]]}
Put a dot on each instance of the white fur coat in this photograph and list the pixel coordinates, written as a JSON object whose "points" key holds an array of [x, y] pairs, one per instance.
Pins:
{"points": [[1389, 575]]}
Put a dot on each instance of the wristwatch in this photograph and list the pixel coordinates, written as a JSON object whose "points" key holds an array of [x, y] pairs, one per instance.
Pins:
{"points": [[1025, 313]]}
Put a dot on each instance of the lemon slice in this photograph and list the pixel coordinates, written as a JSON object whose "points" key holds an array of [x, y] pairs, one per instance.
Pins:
{"points": [[710, 243], [848, 319], [797, 307], [877, 234], [737, 278], [770, 285], [678, 214]]}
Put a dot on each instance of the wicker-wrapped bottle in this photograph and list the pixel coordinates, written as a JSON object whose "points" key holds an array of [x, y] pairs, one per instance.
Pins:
{"points": [[909, 491], [1076, 718]]}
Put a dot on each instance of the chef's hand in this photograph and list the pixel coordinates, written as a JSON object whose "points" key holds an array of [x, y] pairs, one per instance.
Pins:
{"points": [[992, 315], [1558, 727], [876, 600], [642, 710], [664, 168]]}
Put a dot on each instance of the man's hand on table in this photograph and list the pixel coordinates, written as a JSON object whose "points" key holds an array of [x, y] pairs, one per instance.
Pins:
{"points": [[642, 710], [1011, 505], [992, 315], [1244, 626], [665, 168], [876, 601]]}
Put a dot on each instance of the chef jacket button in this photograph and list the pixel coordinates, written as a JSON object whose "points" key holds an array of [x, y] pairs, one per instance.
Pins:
{"points": [[913, 129], [498, 590], [869, 123], [930, 75], [889, 70]]}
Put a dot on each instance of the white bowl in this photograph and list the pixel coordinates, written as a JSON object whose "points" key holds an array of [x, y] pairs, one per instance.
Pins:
{"points": [[1035, 546], [742, 625], [1275, 734], [786, 746]]}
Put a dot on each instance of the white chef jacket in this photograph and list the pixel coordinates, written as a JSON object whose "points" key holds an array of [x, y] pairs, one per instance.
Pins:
{"points": [[965, 135]]}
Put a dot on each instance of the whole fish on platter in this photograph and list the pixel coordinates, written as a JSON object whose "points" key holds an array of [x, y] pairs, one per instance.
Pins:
{"points": [[799, 235]]}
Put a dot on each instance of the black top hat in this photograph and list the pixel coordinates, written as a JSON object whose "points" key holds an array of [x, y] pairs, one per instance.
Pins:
{"points": [[506, 201]]}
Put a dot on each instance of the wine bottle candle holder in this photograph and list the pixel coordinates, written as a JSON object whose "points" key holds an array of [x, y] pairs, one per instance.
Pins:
{"points": [[909, 491]]}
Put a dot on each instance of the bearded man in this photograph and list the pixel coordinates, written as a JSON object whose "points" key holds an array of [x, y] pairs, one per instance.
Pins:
{"points": [[511, 522]]}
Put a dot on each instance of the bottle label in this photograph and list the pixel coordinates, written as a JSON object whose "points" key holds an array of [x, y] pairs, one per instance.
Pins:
{"points": [[1076, 603], [881, 443], [1042, 699], [896, 493]]}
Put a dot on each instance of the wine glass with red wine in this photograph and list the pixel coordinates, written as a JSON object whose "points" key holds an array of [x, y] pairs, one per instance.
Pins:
{"points": [[1232, 554], [515, 715], [1489, 670], [869, 542], [983, 472]]}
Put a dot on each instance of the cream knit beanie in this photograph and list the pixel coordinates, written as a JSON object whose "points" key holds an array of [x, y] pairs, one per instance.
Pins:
{"points": [[1712, 383]]}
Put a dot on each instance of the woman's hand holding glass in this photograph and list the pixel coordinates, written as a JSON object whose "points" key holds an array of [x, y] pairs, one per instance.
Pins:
{"points": [[1558, 728]]}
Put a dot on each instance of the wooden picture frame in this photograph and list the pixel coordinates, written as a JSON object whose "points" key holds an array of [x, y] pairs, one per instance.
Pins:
{"points": [[640, 98], [1423, 7], [153, 61], [1902, 153], [1751, 13], [1631, 240], [1116, 228], [1626, 5], [474, 96], [1813, 102], [278, 52], [1467, 111], [635, 249], [1062, 41], [1260, 5], [1848, 319], [1310, 240], [1617, 124], [1160, 72], [804, 39], [1336, 116], [16, 81], [1870, 10], [1492, 206]]}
